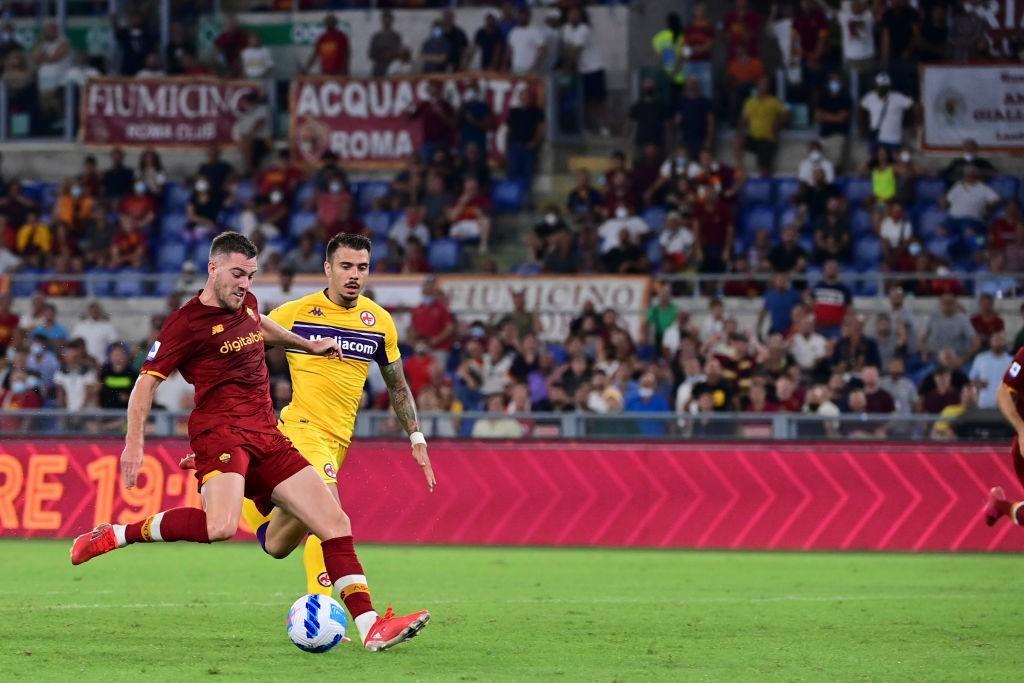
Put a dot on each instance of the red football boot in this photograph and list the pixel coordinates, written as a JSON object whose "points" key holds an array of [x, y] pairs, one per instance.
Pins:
{"points": [[390, 630], [93, 544], [996, 500]]}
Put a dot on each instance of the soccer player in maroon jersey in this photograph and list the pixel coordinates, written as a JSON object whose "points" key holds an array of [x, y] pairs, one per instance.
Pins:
{"points": [[1010, 398], [216, 340]]}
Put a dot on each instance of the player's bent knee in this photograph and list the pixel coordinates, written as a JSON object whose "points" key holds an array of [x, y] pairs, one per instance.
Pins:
{"points": [[338, 524], [220, 530]]}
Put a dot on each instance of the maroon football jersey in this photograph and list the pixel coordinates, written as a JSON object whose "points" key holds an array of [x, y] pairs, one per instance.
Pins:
{"points": [[220, 353], [1014, 378]]}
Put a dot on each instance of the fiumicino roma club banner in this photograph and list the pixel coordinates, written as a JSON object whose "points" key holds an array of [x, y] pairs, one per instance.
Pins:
{"points": [[983, 102], [162, 112], [367, 123]]}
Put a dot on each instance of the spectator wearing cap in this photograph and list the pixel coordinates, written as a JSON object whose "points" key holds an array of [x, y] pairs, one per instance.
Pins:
{"points": [[883, 110]]}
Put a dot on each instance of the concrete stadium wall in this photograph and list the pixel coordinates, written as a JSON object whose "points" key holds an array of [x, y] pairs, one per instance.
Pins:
{"points": [[753, 496]]}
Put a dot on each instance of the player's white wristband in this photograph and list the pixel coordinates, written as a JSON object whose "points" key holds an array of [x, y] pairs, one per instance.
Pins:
{"points": [[417, 439]]}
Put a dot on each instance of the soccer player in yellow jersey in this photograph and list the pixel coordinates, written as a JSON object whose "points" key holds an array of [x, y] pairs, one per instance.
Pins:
{"points": [[325, 395]]}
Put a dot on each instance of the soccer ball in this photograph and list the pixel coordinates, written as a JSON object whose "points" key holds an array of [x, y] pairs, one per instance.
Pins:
{"points": [[316, 623]]}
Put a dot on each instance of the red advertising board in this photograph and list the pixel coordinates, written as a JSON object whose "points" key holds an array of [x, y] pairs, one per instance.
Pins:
{"points": [[367, 122], [162, 112], [823, 496]]}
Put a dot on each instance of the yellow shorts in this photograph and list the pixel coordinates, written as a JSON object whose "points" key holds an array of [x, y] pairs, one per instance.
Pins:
{"points": [[323, 451]]}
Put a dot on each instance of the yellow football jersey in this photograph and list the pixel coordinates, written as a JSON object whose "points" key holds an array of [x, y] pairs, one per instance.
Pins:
{"points": [[326, 392]]}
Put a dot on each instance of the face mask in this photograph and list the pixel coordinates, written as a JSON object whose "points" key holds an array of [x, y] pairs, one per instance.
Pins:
{"points": [[32, 382], [645, 392], [427, 300], [621, 212], [834, 87], [276, 197], [968, 157], [815, 156], [470, 96], [437, 32], [335, 187], [35, 349], [915, 248], [550, 219], [202, 186], [17, 387], [140, 188], [477, 333], [76, 191], [904, 157]]}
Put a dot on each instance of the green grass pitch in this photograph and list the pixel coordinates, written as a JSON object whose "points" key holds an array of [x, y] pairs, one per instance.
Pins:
{"points": [[187, 613]]}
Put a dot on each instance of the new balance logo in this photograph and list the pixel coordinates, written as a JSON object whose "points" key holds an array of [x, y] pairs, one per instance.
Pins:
{"points": [[217, 329], [317, 312]]}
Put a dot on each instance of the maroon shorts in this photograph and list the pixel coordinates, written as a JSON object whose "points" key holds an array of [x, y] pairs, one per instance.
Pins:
{"points": [[264, 459]]}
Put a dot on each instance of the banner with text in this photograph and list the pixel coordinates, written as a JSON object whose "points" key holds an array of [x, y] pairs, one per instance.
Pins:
{"points": [[162, 112], [556, 299], [770, 496], [368, 123], [984, 102]]}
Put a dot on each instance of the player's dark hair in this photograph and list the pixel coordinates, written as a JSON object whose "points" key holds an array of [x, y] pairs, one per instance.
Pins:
{"points": [[349, 241], [228, 243]]}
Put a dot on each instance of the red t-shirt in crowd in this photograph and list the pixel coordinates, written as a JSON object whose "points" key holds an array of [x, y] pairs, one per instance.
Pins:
{"points": [[435, 121], [429, 320], [744, 29], [137, 206], [986, 327], [812, 27], [231, 44], [8, 324], [714, 220], [830, 303], [699, 32], [1001, 232], [417, 372], [332, 47], [128, 240], [221, 353]]}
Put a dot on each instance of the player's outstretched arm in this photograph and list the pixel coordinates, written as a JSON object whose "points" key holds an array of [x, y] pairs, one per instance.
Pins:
{"points": [[139, 404], [275, 335], [1008, 407], [405, 410]]}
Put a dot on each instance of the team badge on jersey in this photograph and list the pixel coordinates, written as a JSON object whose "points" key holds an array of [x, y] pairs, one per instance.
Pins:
{"points": [[217, 329], [225, 457], [153, 351], [1014, 368], [368, 319], [252, 313], [329, 471]]}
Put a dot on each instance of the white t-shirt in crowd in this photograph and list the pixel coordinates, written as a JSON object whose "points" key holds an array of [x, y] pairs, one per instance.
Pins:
{"points": [[805, 173], [807, 351], [171, 392], [610, 229], [858, 32], [76, 385], [8, 261], [678, 242], [989, 368], [894, 232], [98, 335], [582, 38], [970, 201], [257, 61], [886, 114], [397, 68], [524, 43]]}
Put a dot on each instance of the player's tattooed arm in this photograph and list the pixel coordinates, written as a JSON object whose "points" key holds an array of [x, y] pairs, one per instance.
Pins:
{"points": [[401, 396]]}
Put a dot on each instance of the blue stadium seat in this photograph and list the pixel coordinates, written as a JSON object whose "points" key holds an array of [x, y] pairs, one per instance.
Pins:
{"points": [[856, 190], [507, 195], [1005, 186], [938, 246], [785, 189], [200, 253], [230, 219], [860, 223], [101, 287], [25, 287], [379, 250], [379, 223], [42, 193], [867, 253], [654, 217], [300, 222], [170, 256], [444, 255], [176, 196], [527, 269], [789, 214], [245, 191], [929, 220], [756, 218], [756, 191], [281, 245], [303, 194], [654, 252], [928, 189], [370, 191], [127, 285], [173, 225]]}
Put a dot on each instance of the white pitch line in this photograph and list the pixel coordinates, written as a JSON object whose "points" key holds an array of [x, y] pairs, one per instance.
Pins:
{"points": [[543, 601]]}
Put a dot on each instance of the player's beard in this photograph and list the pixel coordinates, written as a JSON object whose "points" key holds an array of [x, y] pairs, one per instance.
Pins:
{"points": [[227, 298], [348, 295]]}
